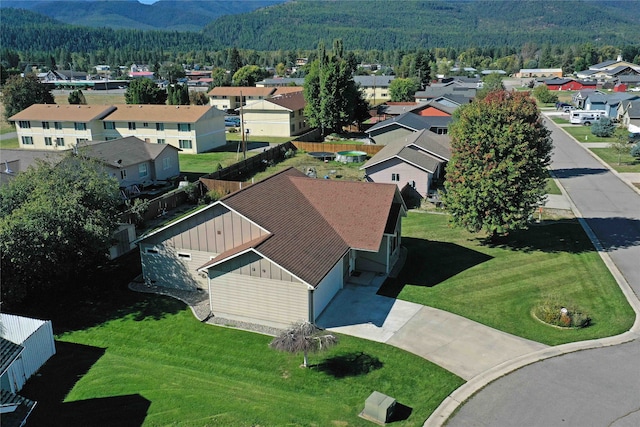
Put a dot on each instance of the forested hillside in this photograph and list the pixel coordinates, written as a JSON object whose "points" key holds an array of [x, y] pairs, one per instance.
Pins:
{"points": [[172, 15], [408, 24]]}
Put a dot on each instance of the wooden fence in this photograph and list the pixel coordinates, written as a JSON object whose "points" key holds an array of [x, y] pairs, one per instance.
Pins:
{"points": [[158, 206], [334, 148], [222, 187], [245, 169]]}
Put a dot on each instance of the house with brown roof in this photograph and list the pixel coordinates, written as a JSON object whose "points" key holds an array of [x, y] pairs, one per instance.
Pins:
{"points": [[278, 251], [416, 161], [280, 115], [50, 126], [229, 98]]}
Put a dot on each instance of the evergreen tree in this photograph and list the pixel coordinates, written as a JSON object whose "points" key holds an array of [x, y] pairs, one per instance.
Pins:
{"points": [[497, 172], [76, 97]]}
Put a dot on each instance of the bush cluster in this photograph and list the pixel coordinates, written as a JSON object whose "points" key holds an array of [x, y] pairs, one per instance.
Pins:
{"points": [[554, 313]]}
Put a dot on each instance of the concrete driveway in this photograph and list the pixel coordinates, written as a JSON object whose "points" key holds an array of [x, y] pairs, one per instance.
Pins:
{"points": [[460, 345]]}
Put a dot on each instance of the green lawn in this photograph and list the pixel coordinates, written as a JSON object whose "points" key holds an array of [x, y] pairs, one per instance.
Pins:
{"points": [[627, 162], [204, 163], [552, 187], [9, 143], [559, 120], [451, 269], [583, 134], [235, 136], [196, 374]]}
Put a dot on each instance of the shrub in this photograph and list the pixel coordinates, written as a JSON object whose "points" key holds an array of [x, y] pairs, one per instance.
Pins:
{"points": [[552, 312], [544, 95], [603, 127], [635, 150]]}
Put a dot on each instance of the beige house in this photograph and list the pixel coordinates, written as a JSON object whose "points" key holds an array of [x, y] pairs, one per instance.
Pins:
{"points": [[231, 97], [281, 115], [44, 126], [278, 251], [192, 128], [526, 73]]}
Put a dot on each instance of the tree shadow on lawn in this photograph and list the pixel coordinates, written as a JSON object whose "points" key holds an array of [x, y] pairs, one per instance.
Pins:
{"points": [[430, 263], [349, 365], [58, 377], [102, 297], [569, 236]]}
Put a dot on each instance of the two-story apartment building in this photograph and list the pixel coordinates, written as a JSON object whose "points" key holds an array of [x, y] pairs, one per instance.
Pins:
{"points": [[281, 115], [228, 98], [192, 128], [46, 126]]}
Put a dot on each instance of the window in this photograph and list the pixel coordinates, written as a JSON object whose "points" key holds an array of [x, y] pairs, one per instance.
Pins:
{"points": [[184, 255], [143, 170], [184, 143], [25, 124], [292, 114], [81, 140], [159, 126], [109, 125], [184, 127], [145, 125], [45, 125], [395, 177], [57, 125], [132, 125], [79, 126], [151, 251], [166, 163], [123, 174], [27, 140], [47, 140], [60, 142], [161, 141]]}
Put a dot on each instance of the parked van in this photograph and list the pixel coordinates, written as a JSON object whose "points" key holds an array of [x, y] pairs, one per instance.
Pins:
{"points": [[586, 117]]}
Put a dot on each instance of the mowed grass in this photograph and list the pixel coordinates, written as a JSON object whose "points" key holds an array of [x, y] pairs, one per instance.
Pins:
{"points": [[583, 134], [499, 285], [196, 374], [205, 163], [92, 97], [552, 187], [624, 163], [331, 169]]}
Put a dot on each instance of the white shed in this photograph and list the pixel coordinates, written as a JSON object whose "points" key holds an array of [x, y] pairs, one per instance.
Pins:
{"points": [[36, 337]]}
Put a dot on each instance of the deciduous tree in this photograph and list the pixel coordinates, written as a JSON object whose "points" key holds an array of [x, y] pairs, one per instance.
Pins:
{"points": [[544, 95], [403, 90], [144, 91], [19, 93], [248, 75], [303, 338], [56, 225], [497, 172]]}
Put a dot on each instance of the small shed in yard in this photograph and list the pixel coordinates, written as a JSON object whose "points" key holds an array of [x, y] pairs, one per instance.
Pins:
{"points": [[25, 345]]}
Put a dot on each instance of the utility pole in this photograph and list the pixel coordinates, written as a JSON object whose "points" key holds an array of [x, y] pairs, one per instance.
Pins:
{"points": [[244, 143]]}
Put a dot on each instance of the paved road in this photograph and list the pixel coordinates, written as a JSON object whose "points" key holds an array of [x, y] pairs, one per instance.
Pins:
{"points": [[598, 387]]}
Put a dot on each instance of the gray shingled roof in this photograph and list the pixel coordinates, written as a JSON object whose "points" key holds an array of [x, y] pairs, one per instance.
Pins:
{"points": [[371, 81], [9, 351], [124, 152], [423, 149], [412, 122]]}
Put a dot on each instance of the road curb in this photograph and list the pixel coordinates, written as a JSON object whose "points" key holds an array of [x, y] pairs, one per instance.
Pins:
{"points": [[452, 402]]}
